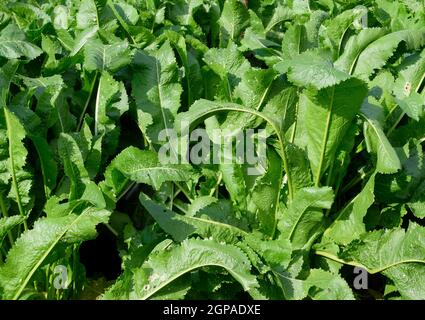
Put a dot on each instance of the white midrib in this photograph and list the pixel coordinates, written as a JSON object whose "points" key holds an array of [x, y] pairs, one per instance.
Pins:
{"points": [[97, 106], [164, 117], [158, 78]]}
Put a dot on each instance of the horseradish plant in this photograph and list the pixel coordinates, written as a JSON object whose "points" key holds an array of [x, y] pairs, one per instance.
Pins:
{"points": [[93, 91]]}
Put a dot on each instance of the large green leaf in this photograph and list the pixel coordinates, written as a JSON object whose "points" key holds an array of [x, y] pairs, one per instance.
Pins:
{"points": [[165, 266], [349, 225], [157, 90], [181, 227], [73, 164], [40, 244], [87, 15], [20, 179], [234, 19], [396, 253], [324, 285], [183, 12], [355, 46], [7, 224], [106, 57], [304, 218], [191, 66], [47, 163], [7, 71], [203, 109], [312, 68], [328, 116], [230, 65], [265, 194], [378, 52], [233, 176], [338, 27], [111, 104], [143, 166], [13, 44], [387, 160]]}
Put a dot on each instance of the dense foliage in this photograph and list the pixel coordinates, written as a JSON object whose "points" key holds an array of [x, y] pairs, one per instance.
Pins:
{"points": [[87, 87]]}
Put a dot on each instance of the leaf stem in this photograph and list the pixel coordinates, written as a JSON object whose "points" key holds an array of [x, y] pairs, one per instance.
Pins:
{"points": [[358, 264], [213, 190], [294, 131], [110, 228], [80, 121], [325, 140], [12, 167], [172, 197], [122, 194], [183, 191], [96, 110]]}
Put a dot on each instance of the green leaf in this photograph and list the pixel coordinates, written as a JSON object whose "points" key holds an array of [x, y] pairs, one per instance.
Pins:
{"points": [[290, 279], [7, 224], [191, 66], [387, 160], [396, 253], [328, 286], [413, 106], [410, 76], [13, 44], [81, 39], [36, 246], [21, 182], [157, 90], [180, 227], [329, 114], [143, 166], [304, 218], [280, 14], [111, 104], [7, 71], [165, 266], [106, 57], [254, 87], [355, 46], [377, 53], [265, 194], [127, 12], [349, 225], [87, 15], [47, 163], [203, 109], [312, 68], [234, 180], [299, 166], [293, 42], [233, 20], [338, 27], [229, 64], [73, 163], [276, 253], [183, 12]]}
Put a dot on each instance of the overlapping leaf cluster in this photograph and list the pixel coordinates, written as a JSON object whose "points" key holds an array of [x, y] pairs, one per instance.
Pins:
{"points": [[87, 87]]}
